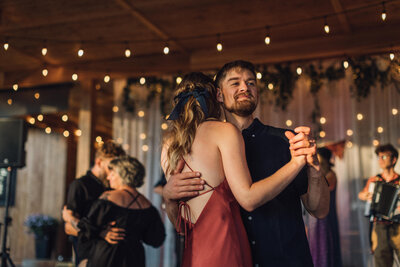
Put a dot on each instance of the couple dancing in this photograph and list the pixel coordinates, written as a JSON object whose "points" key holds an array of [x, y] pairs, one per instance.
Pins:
{"points": [[263, 169]]}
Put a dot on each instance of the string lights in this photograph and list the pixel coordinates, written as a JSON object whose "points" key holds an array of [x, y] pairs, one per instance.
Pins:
{"points": [[127, 50], [44, 49], [6, 45], [166, 49], [267, 39], [383, 15], [219, 44], [80, 51], [326, 26]]}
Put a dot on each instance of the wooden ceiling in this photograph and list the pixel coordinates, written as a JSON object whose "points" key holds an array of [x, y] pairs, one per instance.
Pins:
{"points": [[104, 29]]}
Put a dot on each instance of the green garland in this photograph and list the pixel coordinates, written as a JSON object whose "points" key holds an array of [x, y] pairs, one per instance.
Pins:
{"points": [[366, 74]]}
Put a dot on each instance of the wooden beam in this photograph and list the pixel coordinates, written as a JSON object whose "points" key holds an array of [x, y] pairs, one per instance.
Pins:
{"points": [[337, 6], [60, 21], [151, 26]]}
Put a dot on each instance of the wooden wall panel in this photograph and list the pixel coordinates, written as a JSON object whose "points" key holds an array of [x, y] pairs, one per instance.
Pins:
{"points": [[40, 188]]}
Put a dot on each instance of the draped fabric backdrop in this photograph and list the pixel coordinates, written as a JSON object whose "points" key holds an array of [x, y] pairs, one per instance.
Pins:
{"points": [[129, 129], [340, 110]]}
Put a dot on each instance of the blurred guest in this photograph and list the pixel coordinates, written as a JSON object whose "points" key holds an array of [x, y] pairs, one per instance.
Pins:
{"points": [[84, 191], [323, 233], [130, 210], [385, 234]]}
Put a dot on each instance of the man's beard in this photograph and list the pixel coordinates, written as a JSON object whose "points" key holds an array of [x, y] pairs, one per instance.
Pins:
{"points": [[242, 108]]}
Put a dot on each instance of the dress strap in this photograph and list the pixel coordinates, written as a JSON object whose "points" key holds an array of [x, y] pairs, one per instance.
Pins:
{"points": [[205, 192], [134, 198], [183, 219]]}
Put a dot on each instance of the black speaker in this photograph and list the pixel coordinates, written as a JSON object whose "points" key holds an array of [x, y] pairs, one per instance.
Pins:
{"points": [[12, 142]]}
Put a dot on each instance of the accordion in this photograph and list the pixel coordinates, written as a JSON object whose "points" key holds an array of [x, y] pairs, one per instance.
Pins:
{"points": [[384, 202]]}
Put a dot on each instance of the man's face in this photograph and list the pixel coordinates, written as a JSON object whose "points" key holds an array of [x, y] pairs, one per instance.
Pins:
{"points": [[104, 168], [385, 160], [238, 92]]}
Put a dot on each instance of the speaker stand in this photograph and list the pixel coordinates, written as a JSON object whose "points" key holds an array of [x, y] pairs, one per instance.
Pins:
{"points": [[5, 255]]}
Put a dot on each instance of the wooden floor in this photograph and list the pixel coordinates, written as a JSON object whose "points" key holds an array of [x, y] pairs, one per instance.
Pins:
{"points": [[43, 263]]}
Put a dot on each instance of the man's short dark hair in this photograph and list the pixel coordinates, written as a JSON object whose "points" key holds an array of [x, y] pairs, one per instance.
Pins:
{"points": [[388, 148], [238, 64]]}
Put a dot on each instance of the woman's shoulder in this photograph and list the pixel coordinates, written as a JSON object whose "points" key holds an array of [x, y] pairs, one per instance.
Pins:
{"points": [[113, 196], [221, 126]]}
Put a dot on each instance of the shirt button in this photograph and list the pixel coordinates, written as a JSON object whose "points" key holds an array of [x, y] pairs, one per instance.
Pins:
{"points": [[256, 265], [253, 242], [250, 218], [253, 135]]}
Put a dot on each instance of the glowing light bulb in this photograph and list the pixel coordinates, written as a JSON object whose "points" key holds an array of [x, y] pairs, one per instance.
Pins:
{"points": [[80, 52], [326, 28], [349, 144], [322, 120], [166, 49], [6, 45], [99, 139], [66, 133], [271, 86], [391, 56], [74, 76], [9, 101], [45, 72], [395, 111], [127, 52], [259, 75], [78, 132], [47, 130], [375, 143], [36, 95], [40, 117], [178, 80], [141, 113], [107, 78], [383, 15], [219, 47], [349, 132], [44, 51], [322, 134], [115, 109], [379, 129], [31, 120], [267, 40], [360, 116], [145, 148], [15, 87], [164, 126], [299, 70], [289, 123], [64, 117], [142, 136], [142, 80], [345, 64]]}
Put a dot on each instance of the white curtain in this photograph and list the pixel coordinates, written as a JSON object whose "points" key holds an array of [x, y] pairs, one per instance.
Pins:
{"points": [[141, 138]]}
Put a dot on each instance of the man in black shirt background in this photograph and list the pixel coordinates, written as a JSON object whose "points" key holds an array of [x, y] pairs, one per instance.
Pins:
{"points": [[84, 191], [275, 230]]}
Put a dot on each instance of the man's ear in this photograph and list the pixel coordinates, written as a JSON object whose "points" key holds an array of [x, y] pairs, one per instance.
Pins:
{"points": [[220, 96], [97, 161]]}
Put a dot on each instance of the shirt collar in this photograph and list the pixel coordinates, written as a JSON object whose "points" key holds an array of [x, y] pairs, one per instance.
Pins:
{"points": [[254, 127]]}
